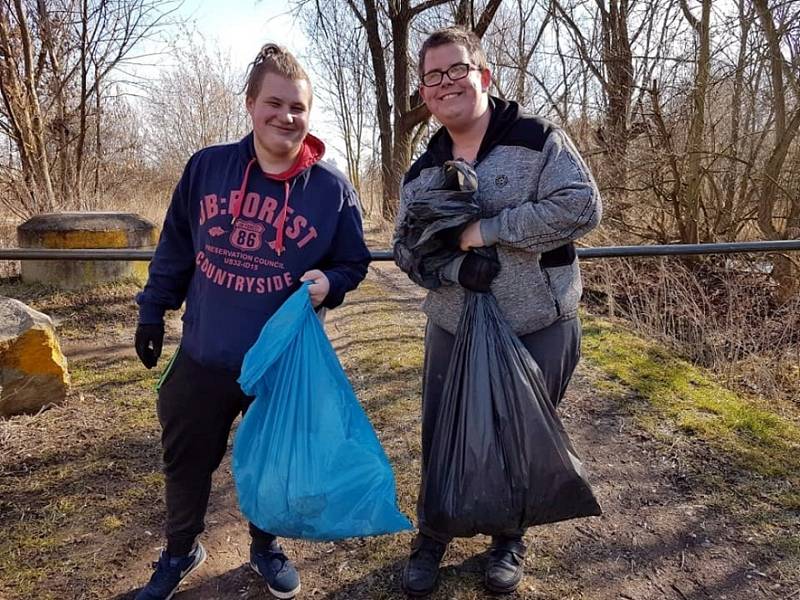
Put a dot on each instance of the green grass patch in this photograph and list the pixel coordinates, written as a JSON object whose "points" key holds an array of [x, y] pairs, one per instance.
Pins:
{"points": [[758, 439], [122, 372]]}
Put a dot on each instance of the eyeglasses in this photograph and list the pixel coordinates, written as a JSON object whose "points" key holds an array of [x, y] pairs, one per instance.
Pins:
{"points": [[454, 73]]}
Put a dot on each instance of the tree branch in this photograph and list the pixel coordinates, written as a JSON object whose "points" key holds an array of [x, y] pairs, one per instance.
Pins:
{"points": [[486, 17], [693, 21], [422, 7]]}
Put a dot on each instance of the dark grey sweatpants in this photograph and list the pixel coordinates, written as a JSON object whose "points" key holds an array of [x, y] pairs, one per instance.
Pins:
{"points": [[555, 348]]}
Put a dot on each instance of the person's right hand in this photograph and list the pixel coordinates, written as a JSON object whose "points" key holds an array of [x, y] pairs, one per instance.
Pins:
{"points": [[148, 342], [477, 272], [471, 237]]}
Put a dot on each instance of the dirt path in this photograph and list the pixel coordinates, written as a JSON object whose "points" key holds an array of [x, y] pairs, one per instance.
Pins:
{"points": [[674, 525]]}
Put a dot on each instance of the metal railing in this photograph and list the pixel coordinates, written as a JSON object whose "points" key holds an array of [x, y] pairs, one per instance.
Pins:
{"points": [[386, 255]]}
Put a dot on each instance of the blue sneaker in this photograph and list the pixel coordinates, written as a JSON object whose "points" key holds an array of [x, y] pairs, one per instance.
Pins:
{"points": [[169, 572], [277, 570]]}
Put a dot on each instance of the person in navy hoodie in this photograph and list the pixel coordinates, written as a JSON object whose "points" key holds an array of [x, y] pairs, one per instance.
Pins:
{"points": [[248, 222]]}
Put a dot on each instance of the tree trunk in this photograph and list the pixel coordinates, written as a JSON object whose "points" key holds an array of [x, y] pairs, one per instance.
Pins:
{"points": [[397, 124], [31, 122], [787, 124], [98, 138], [370, 22], [82, 126], [725, 225], [619, 89], [695, 146]]}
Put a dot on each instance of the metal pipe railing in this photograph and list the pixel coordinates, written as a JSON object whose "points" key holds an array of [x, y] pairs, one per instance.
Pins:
{"points": [[386, 255]]}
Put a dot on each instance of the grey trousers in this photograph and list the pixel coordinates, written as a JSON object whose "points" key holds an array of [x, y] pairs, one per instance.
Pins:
{"points": [[555, 348]]}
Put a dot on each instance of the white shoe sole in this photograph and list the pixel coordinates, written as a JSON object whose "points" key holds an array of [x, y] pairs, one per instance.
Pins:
{"points": [[276, 593]]}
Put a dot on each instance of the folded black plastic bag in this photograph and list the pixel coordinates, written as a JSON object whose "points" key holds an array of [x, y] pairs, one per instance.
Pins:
{"points": [[428, 232], [500, 460]]}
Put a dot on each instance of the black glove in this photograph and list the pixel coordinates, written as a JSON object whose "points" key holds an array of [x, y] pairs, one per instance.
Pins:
{"points": [[148, 342], [477, 272]]}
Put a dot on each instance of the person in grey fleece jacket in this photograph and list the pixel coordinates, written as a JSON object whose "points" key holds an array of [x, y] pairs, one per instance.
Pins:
{"points": [[537, 197]]}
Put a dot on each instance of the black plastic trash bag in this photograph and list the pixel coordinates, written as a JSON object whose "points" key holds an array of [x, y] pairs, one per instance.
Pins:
{"points": [[500, 460], [427, 235]]}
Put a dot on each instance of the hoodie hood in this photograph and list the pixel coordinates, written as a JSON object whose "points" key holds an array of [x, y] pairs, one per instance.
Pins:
{"points": [[311, 152]]}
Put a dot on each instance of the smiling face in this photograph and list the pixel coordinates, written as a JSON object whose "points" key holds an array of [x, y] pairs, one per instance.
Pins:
{"points": [[279, 114], [456, 104]]}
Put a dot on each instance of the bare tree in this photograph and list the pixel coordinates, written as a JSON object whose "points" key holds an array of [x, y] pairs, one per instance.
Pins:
{"points": [[511, 43], [193, 104], [612, 66], [729, 209], [343, 81], [57, 60], [24, 123], [691, 199]]}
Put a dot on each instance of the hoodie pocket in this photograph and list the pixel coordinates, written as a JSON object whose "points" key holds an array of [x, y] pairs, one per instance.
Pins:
{"points": [[553, 295], [566, 287]]}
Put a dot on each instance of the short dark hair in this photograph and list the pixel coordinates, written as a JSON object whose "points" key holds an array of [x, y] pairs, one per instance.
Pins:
{"points": [[272, 59], [453, 35]]}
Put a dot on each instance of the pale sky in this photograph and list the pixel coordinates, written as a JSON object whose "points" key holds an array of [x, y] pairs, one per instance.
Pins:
{"points": [[243, 26]]}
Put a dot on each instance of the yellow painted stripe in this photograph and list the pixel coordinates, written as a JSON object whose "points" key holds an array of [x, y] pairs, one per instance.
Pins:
{"points": [[85, 239]]}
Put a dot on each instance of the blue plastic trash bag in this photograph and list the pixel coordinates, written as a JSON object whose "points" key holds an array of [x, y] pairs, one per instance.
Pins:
{"points": [[306, 461]]}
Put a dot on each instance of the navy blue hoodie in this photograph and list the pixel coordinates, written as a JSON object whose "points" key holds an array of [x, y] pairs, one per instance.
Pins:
{"points": [[236, 241]]}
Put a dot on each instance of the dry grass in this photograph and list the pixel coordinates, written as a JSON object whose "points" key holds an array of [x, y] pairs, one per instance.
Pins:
{"points": [[8, 239], [720, 315]]}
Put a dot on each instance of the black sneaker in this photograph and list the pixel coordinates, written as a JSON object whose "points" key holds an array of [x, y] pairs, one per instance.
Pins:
{"points": [[169, 572], [505, 565], [276, 569], [422, 569]]}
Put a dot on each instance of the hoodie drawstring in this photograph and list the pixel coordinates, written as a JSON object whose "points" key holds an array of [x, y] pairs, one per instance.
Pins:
{"points": [[281, 220], [236, 205]]}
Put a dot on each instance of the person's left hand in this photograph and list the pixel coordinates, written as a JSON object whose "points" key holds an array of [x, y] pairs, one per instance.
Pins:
{"points": [[471, 237], [319, 288]]}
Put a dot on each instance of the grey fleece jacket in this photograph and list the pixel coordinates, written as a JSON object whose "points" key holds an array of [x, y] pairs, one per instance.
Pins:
{"points": [[538, 197]]}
